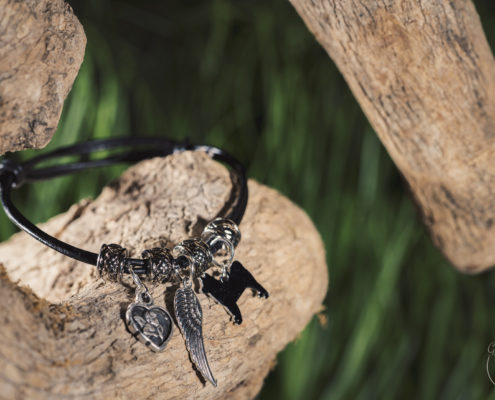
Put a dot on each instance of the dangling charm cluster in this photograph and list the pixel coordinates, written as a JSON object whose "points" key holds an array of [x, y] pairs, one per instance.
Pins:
{"points": [[188, 260]]}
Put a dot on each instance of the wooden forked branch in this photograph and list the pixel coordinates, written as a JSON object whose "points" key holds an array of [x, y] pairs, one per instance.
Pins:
{"points": [[425, 77]]}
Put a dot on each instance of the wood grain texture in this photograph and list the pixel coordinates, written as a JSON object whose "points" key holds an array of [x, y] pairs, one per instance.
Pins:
{"points": [[41, 49], [425, 77], [66, 337]]}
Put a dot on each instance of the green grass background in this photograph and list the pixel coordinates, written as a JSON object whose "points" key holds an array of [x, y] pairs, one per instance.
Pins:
{"points": [[246, 75]]}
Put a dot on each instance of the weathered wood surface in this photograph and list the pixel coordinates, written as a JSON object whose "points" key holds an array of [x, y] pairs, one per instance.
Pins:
{"points": [[425, 77], [41, 49], [67, 336]]}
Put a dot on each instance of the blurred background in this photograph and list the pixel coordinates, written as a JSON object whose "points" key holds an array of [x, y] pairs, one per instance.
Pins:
{"points": [[246, 75]]}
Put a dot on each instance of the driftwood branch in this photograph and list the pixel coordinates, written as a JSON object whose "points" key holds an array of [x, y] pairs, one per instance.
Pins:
{"points": [[41, 49], [67, 336], [425, 77]]}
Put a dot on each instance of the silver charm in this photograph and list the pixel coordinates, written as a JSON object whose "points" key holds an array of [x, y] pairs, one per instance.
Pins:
{"points": [[150, 324], [190, 320]]}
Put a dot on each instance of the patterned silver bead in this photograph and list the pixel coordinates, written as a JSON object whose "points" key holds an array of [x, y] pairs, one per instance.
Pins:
{"points": [[160, 263], [111, 262], [225, 228], [197, 252]]}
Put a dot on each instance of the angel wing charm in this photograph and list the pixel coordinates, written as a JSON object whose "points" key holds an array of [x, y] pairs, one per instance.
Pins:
{"points": [[190, 320]]}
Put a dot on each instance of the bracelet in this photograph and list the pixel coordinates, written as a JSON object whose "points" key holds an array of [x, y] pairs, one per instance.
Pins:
{"points": [[186, 261]]}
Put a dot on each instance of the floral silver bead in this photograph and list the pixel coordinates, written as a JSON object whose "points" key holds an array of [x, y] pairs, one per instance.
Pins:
{"points": [[225, 228], [111, 262], [160, 263], [197, 252]]}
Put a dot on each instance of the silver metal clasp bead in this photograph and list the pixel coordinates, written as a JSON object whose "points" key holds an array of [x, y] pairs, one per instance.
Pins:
{"points": [[221, 236], [224, 228]]}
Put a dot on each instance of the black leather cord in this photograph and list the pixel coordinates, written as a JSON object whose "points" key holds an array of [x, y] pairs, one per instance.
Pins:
{"points": [[13, 175]]}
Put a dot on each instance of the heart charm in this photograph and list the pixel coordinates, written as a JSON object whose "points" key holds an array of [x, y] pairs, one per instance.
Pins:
{"points": [[150, 324]]}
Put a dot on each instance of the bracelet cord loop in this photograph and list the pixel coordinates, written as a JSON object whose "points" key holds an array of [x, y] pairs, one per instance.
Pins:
{"points": [[110, 261], [16, 170]]}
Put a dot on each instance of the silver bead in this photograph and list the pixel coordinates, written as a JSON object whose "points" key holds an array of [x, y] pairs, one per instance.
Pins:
{"points": [[160, 263], [111, 262], [197, 252], [225, 228]]}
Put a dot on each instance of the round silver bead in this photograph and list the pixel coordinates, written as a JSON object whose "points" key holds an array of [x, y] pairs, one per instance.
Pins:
{"points": [[197, 252], [160, 263], [225, 228]]}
